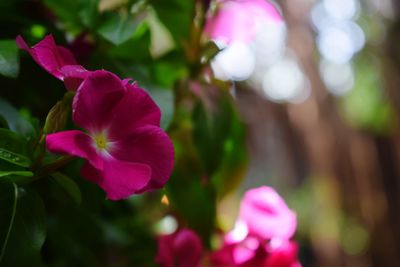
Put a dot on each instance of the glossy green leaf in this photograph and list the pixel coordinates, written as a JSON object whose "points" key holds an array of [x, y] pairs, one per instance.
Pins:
{"points": [[14, 158], [17, 173], [9, 64], [28, 230], [13, 148], [16, 122], [118, 29], [8, 207], [70, 187]]}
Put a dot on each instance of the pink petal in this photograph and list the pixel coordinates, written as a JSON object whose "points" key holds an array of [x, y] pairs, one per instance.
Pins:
{"points": [[262, 10], [48, 55], [242, 254], [266, 214], [283, 256], [165, 252], [95, 100], [91, 173], [134, 110], [230, 23], [188, 248], [239, 21], [182, 248], [121, 179], [148, 145], [65, 56], [74, 143], [223, 256], [74, 76]]}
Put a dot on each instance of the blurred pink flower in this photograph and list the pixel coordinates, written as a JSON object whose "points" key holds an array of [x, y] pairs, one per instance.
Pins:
{"points": [[261, 234], [126, 150], [282, 254], [49, 55], [180, 249], [239, 20], [266, 214], [252, 252]]}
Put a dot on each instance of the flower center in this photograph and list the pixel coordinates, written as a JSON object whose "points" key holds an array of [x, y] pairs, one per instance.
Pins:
{"points": [[100, 141]]}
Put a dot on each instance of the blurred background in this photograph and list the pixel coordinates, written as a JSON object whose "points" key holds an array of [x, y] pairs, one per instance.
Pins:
{"points": [[321, 109], [318, 94]]}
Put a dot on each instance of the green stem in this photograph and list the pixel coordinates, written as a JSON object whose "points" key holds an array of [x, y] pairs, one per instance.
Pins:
{"points": [[52, 167], [42, 153]]}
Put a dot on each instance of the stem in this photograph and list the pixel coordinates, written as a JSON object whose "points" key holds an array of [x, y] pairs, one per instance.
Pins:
{"points": [[38, 139], [50, 168], [42, 153]]}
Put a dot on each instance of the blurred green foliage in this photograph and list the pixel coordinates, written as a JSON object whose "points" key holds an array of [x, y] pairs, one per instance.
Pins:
{"points": [[63, 220]]}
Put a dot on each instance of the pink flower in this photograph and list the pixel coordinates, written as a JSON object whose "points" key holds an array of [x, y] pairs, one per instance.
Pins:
{"points": [[253, 252], [266, 214], [49, 55], [247, 252], [180, 249], [282, 254], [239, 20], [261, 234], [74, 75], [126, 151]]}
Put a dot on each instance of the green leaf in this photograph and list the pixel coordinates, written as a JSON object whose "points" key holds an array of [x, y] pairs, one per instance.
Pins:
{"points": [[8, 204], [14, 158], [200, 211], [140, 41], [18, 173], [3, 122], [232, 169], [15, 121], [15, 176], [89, 13], [210, 50], [168, 71], [69, 186], [212, 126], [118, 29], [9, 64], [165, 101], [67, 11], [28, 231], [13, 148], [176, 15]]}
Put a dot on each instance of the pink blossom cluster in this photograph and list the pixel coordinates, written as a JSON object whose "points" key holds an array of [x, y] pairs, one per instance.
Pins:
{"points": [[261, 237], [125, 149], [239, 20], [180, 249]]}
